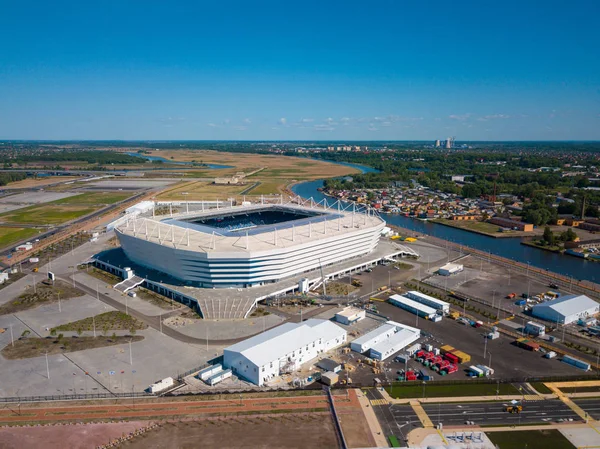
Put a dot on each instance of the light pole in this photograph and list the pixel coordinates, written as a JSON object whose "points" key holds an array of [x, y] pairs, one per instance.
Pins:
{"points": [[490, 365], [12, 338], [130, 354], [47, 367], [59, 309], [484, 346]]}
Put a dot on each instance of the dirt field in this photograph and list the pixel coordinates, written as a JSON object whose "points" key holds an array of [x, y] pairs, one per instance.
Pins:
{"points": [[199, 190], [275, 166], [40, 182], [59, 437], [271, 431]]}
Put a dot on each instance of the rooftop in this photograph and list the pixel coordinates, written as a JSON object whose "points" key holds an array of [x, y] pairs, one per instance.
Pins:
{"points": [[414, 304], [569, 304], [276, 343]]}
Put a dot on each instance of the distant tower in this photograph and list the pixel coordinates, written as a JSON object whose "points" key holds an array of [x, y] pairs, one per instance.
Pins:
{"points": [[449, 143], [437, 143]]}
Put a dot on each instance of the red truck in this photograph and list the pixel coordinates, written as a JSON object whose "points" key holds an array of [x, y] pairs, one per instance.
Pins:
{"points": [[427, 358], [441, 365], [411, 375], [449, 370], [451, 358], [437, 359], [420, 355]]}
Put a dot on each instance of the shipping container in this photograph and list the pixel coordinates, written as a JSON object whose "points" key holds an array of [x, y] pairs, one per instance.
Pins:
{"points": [[207, 373], [413, 349], [451, 357], [576, 363], [550, 355], [527, 344], [475, 372], [462, 356], [446, 348]]}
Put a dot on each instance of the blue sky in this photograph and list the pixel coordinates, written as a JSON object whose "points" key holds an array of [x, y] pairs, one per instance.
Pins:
{"points": [[339, 70]]}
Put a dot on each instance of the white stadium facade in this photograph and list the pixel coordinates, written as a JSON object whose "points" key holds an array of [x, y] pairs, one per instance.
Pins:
{"points": [[250, 244]]}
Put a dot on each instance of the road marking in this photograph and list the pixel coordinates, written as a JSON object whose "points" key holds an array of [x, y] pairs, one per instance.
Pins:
{"points": [[420, 412], [379, 402]]}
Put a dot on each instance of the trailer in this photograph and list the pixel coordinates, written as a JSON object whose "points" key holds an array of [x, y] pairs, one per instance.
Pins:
{"points": [[446, 348], [527, 344], [451, 358], [475, 372], [207, 373], [487, 371], [219, 377], [576, 363], [463, 357], [441, 365], [450, 369], [550, 355], [411, 350]]}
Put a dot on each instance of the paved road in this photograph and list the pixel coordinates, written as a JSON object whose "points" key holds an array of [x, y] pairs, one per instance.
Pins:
{"points": [[591, 406], [394, 420], [492, 413]]}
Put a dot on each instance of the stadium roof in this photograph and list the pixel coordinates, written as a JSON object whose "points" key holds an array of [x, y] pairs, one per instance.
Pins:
{"points": [[181, 235], [568, 305], [282, 340]]}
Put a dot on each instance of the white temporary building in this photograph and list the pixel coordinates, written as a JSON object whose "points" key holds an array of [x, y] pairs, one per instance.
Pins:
{"points": [[566, 309], [140, 208], [386, 340], [450, 268], [161, 385], [427, 300], [404, 336], [414, 307], [370, 339], [350, 315], [282, 349]]}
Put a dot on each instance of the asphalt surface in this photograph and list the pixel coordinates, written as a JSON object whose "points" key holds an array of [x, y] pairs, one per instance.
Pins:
{"points": [[590, 406]]}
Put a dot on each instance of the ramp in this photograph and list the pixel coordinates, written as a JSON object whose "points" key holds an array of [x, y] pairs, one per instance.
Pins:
{"points": [[128, 284]]}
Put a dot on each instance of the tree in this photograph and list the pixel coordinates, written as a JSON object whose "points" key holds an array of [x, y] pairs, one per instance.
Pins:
{"points": [[25, 333], [548, 236], [568, 236], [53, 332], [79, 331]]}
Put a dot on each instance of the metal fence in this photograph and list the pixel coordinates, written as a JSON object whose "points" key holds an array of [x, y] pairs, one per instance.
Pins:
{"points": [[76, 397]]}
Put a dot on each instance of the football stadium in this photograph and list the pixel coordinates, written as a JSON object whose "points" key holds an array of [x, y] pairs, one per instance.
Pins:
{"points": [[249, 244]]}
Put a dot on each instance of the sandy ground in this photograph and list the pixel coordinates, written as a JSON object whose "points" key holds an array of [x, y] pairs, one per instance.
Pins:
{"points": [[41, 182], [73, 436], [272, 431]]}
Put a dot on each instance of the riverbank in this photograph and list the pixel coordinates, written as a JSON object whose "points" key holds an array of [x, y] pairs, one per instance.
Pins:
{"points": [[554, 249], [478, 227]]}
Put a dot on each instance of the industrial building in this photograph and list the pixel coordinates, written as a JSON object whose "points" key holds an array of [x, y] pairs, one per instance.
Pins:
{"points": [[350, 315], [533, 328], [450, 268], [566, 309], [386, 340], [282, 350], [437, 304], [248, 245], [511, 224]]}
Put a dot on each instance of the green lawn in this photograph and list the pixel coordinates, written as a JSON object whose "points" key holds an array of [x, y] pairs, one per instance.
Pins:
{"points": [[48, 213], [403, 391], [540, 387], [95, 198], [8, 236], [530, 439]]}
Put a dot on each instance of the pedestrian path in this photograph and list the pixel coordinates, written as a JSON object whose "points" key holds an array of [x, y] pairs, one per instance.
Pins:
{"points": [[582, 414], [420, 412], [379, 402]]}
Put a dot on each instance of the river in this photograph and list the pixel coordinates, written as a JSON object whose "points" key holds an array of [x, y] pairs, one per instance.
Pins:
{"points": [[510, 248]]}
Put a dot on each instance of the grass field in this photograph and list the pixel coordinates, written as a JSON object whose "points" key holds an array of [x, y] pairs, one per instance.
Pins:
{"points": [[530, 439], [63, 210], [109, 321], [46, 214], [541, 388], [39, 182], [403, 391], [275, 186], [275, 165], [477, 226], [44, 294], [25, 348], [95, 198], [9, 235], [200, 190]]}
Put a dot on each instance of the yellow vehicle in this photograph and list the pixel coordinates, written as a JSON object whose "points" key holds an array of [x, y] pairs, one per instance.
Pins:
{"points": [[35, 270], [410, 239], [396, 237], [356, 283], [454, 315], [382, 288], [513, 408]]}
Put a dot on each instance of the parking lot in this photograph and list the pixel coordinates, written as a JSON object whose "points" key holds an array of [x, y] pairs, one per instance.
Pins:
{"points": [[507, 360]]}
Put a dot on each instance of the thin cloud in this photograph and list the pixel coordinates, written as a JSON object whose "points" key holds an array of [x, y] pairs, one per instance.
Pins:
{"points": [[307, 120], [460, 117], [282, 121], [323, 128], [247, 121]]}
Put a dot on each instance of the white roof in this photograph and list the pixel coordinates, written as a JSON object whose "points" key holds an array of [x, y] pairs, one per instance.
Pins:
{"points": [[428, 298], [414, 304], [349, 311], [282, 340], [405, 335], [451, 266], [375, 333], [568, 305]]}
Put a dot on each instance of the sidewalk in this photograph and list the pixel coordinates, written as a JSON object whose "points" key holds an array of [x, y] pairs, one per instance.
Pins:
{"points": [[517, 397], [374, 426]]}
